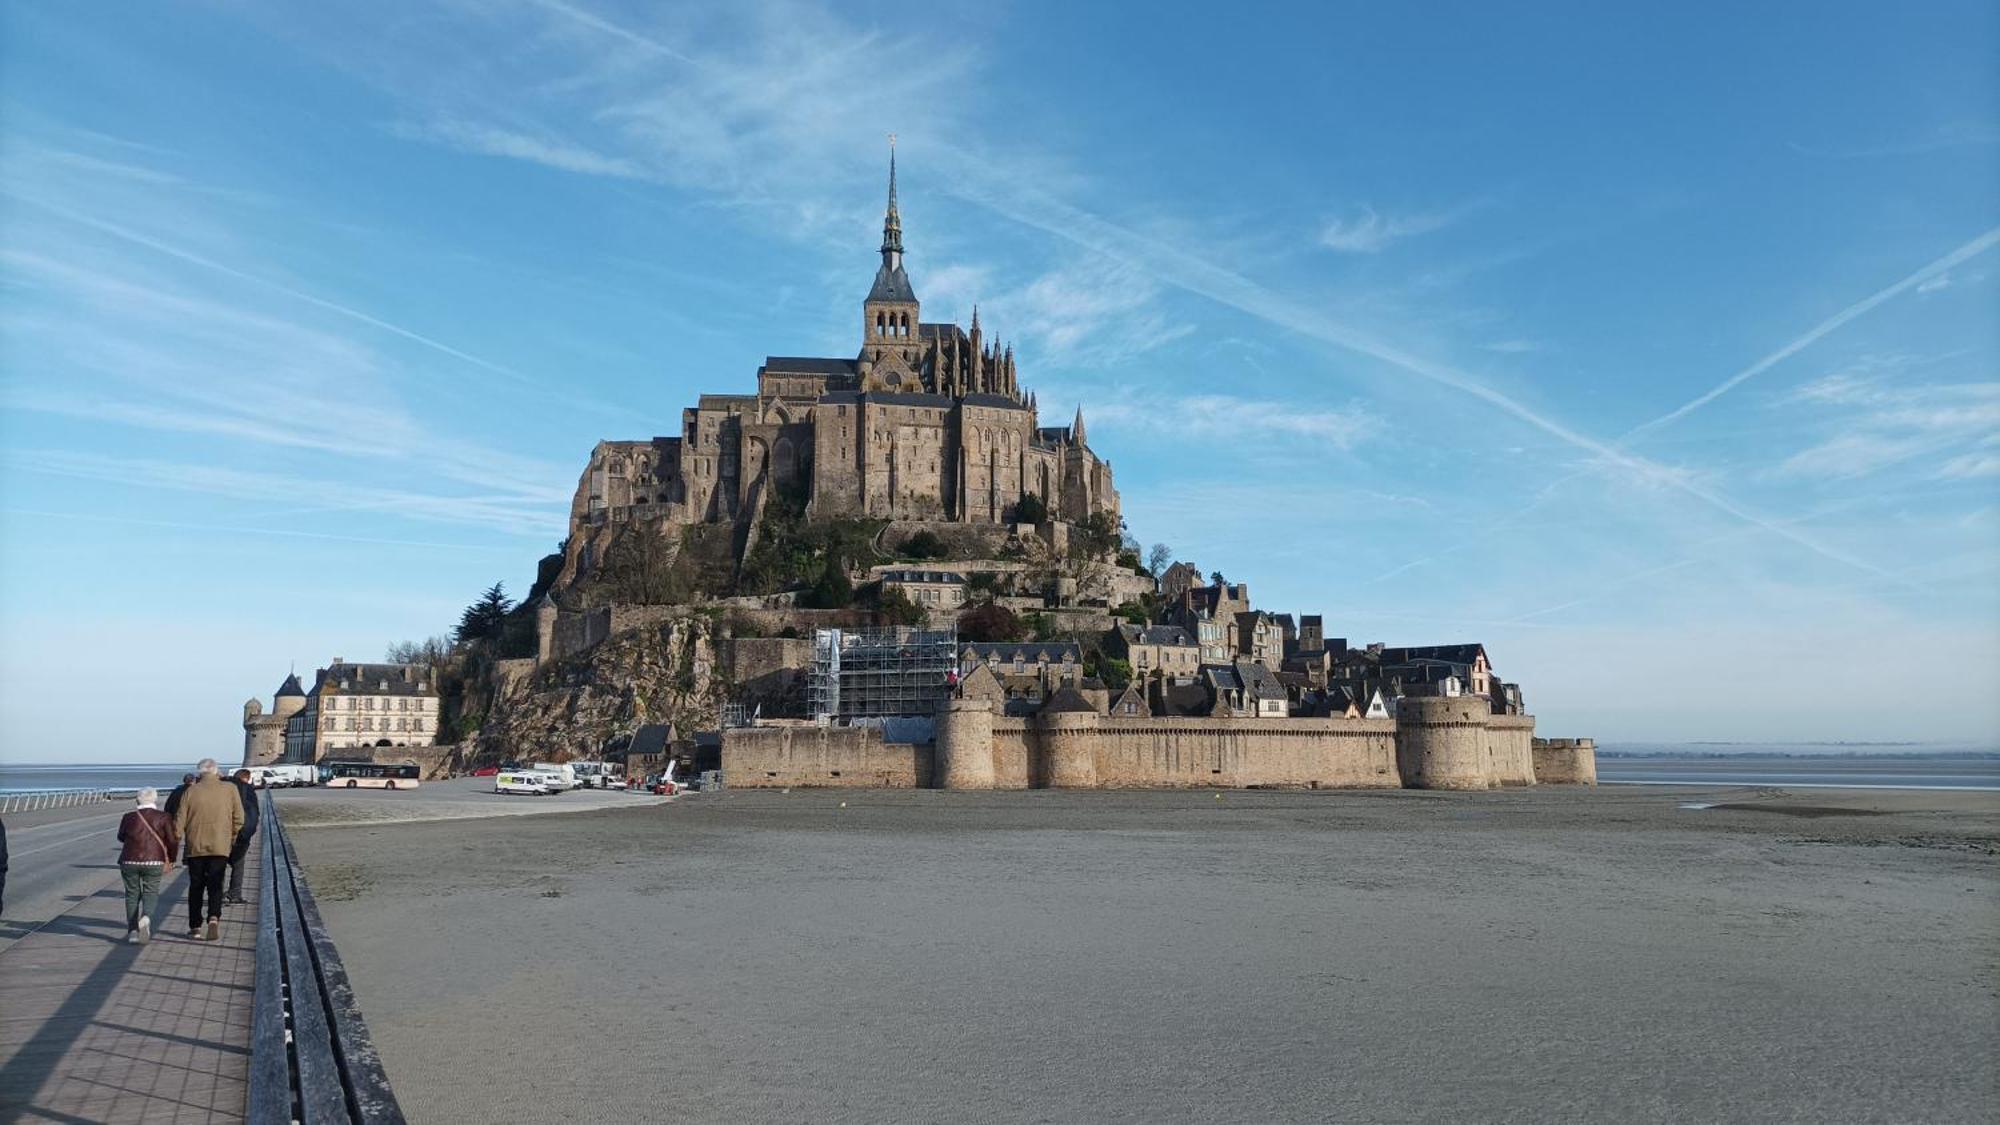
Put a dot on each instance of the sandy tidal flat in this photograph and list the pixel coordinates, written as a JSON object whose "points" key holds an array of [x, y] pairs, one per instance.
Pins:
{"points": [[1549, 954]]}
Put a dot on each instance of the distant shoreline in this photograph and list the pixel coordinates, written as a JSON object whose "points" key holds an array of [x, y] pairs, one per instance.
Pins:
{"points": [[1933, 755]]}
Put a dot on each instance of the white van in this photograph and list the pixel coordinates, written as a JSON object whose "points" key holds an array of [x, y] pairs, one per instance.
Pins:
{"points": [[264, 777], [527, 782], [283, 777], [562, 778]]}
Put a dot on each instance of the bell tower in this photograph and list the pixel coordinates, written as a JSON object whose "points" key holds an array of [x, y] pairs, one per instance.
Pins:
{"points": [[891, 353]]}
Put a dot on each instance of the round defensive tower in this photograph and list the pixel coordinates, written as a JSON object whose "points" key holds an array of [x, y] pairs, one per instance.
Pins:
{"points": [[1068, 727], [1566, 761], [965, 744], [290, 699], [1441, 742]]}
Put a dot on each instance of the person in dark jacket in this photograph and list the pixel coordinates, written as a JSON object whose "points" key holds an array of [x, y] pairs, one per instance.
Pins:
{"points": [[173, 805], [3, 864], [147, 855], [241, 848]]}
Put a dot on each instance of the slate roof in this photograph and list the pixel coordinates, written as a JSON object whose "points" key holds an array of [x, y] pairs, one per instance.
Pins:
{"points": [[1252, 678], [942, 328], [290, 687], [1031, 651], [984, 399], [1184, 699], [1068, 699], [891, 285], [1456, 654], [1157, 635], [369, 679], [950, 578], [1426, 671], [652, 738], [808, 365]]}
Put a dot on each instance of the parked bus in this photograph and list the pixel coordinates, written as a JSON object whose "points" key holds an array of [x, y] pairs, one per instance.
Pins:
{"points": [[597, 775], [372, 775]]}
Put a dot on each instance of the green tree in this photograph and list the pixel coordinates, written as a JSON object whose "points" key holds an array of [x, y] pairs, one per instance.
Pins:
{"points": [[895, 608], [1030, 509], [832, 589], [1096, 536], [925, 545], [1114, 672], [485, 617], [1041, 625]]}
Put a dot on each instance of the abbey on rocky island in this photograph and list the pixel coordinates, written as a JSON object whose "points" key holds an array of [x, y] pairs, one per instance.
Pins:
{"points": [[927, 421]]}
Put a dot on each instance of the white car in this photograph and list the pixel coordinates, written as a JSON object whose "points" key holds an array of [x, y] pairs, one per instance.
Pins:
{"points": [[527, 783]]}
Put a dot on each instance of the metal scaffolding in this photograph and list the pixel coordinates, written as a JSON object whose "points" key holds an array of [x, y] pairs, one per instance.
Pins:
{"points": [[879, 673]]}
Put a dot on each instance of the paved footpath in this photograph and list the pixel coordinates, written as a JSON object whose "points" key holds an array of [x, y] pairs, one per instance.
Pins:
{"points": [[96, 1030]]}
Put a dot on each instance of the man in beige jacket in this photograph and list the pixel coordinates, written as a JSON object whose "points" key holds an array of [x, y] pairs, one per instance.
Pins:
{"points": [[209, 816]]}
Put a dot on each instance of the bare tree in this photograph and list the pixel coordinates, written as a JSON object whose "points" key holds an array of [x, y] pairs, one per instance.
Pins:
{"points": [[1158, 560], [432, 650]]}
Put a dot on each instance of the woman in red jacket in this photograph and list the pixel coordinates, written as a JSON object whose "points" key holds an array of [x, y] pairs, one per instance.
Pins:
{"points": [[148, 836]]}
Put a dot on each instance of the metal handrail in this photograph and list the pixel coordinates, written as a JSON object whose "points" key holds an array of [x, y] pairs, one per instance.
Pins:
{"points": [[56, 799], [311, 1059]]}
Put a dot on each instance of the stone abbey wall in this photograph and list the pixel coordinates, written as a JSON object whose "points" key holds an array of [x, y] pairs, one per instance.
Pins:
{"points": [[1438, 744]]}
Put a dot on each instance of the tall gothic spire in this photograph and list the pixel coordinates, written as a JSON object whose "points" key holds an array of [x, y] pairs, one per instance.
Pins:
{"points": [[892, 223], [1076, 427]]}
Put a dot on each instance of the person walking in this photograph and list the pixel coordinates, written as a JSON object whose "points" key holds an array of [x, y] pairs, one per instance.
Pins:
{"points": [[241, 847], [173, 805], [147, 856], [210, 816], [3, 864]]}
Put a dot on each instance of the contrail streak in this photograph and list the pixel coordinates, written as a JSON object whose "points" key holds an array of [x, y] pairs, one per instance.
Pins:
{"points": [[1971, 249]]}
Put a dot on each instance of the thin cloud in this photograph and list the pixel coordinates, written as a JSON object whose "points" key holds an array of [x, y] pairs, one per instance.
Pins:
{"points": [[488, 140], [1227, 418], [1371, 232], [504, 514], [1971, 466], [1176, 266]]}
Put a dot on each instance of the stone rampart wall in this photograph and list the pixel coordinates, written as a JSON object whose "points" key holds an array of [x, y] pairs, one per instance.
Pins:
{"points": [[806, 755], [1509, 760], [1240, 753], [1437, 746]]}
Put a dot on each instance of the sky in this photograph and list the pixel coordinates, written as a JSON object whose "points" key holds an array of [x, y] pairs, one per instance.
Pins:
{"points": [[1655, 350]]}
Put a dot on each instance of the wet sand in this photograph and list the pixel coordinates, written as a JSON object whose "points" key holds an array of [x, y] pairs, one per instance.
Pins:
{"points": [[1550, 954]]}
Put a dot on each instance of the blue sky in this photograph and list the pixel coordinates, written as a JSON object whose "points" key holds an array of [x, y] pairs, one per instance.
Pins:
{"points": [[1654, 350]]}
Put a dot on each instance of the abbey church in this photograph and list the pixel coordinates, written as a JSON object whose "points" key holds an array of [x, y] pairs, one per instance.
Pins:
{"points": [[927, 421]]}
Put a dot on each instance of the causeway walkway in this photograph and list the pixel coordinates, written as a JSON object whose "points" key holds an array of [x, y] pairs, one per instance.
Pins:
{"points": [[95, 1030]]}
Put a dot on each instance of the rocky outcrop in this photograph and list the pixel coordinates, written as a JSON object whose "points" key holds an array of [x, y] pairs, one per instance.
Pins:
{"points": [[661, 672]]}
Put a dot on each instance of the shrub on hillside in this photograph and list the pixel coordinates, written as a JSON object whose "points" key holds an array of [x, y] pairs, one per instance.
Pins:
{"points": [[925, 545], [990, 624]]}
